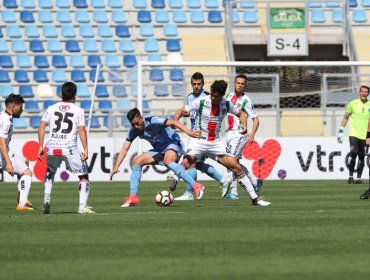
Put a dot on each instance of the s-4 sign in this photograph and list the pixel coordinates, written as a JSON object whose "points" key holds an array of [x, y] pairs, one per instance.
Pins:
{"points": [[287, 44]]}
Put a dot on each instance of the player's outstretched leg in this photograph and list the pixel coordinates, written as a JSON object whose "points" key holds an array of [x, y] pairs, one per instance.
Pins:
{"points": [[213, 173], [24, 186], [133, 199], [84, 189], [48, 186], [188, 194], [247, 185]]}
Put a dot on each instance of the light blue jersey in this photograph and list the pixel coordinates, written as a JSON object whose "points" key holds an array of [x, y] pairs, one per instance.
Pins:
{"points": [[193, 115]]}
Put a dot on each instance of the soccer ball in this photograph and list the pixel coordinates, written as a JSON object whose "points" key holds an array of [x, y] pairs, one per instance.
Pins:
{"points": [[164, 198]]}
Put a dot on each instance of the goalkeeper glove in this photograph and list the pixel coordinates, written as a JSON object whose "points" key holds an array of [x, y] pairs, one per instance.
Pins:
{"points": [[340, 135]]}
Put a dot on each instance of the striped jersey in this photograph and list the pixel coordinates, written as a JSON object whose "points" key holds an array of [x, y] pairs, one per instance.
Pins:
{"points": [[6, 127], [245, 104], [210, 117], [193, 115]]}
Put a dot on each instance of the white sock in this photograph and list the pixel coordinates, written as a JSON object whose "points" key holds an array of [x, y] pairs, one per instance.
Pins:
{"points": [[234, 184], [48, 186], [24, 186], [84, 189], [245, 183]]}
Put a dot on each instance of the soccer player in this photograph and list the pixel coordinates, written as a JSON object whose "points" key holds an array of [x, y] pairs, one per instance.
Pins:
{"points": [[358, 110], [235, 141], [197, 83], [11, 162], [167, 149], [211, 111], [66, 121]]}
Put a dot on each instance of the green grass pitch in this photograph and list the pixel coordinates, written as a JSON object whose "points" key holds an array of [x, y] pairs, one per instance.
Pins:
{"points": [[313, 230]]}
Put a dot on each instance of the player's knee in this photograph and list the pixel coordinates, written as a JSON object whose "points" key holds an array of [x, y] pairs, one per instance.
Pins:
{"points": [[27, 172], [84, 178], [199, 165]]}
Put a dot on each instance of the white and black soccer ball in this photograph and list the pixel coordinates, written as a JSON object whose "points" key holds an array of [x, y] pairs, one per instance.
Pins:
{"points": [[164, 198]]}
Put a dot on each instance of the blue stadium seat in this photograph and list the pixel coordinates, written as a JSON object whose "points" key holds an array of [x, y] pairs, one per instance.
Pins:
{"points": [[93, 61], [146, 106], [119, 91], [176, 4], [176, 74], [36, 46], [100, 17], [23, 61], [94, 122], [178, 90], [10, 4], [144, 17], [247, 4], [119, 16], [158, 4], [5, 90], [161, 90], [82, 17], [8, 16], [54, 46], [359, 16], [3, 47], [35, 121], [250, 16], [86, 31], [4, 76], [28, 4], [126, 46], [45, 16], [125, 122], [19, 123], [26, 91], [108, 119], [115, 75], [134, 91], [21, 76], [93, 74], [211, 4], [78, 76], [140, 4], [76, 61], [122, 31], [80, 4], [193, 4], [49, 31], [314, 4], [112, 61], [59, 76], [98, 3], [13, 31], [154, 57], [156, 75], [18, 46], [105, 105], [214, 17], [365, 3], [352, 3], [108, 46], [85, 104], [63, 4], [31, 106], [101, 91], [83, 92], [151, 45], [179, 17], [48, 103], [197, 17], [40, 76], [123, 105], [236, 17], [317, 16], [6, 61], [90, 46], [147, 30], [59, 90], [68, 31], [64, 16], [27, 17], [115, 4], [31, 31], [132, 74], [72, 46], [162, 17], [40, 61], [45, 4], [170, 30], [332, 4], [173, 45], [104, 31]]}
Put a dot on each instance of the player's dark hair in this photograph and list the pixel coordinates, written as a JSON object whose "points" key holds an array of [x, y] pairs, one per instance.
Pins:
{"points": [[197, 76], [219, 86], [368, 89], [133, 113], [241, 76], [14, 98], [69, 91]]}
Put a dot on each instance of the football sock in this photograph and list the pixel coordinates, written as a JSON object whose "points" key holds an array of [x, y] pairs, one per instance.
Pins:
{"points": [[247, 185], [250, 175], [212, 172], [24, 185], [193, 173], [84, 189], [181, 172], [234, 183], [48, 185], [135, 179]]}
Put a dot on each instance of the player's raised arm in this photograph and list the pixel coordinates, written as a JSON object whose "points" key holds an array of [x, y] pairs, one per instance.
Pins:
{"points": [[180, 113], [121, 156], [41, 136], [179, 125]]}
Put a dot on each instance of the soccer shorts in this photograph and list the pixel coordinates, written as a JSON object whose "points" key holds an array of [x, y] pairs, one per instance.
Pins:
{"points": [[158, 154], [211, 149], [73, 163], [235, 143], [18, 162]]}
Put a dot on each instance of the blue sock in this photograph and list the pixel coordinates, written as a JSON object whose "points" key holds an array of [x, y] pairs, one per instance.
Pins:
{"points": [[181, 172], [211, 171], [135, 179], [193, 173]]}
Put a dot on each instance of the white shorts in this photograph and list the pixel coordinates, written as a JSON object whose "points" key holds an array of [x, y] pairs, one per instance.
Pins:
{"points": [[235, 143], [18, 162], [212, 149], [73, 163]]}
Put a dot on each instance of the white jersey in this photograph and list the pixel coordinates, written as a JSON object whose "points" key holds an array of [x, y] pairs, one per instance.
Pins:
{"points": [[6, 127], [210, 117], [64, 118], [245, 104]]}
